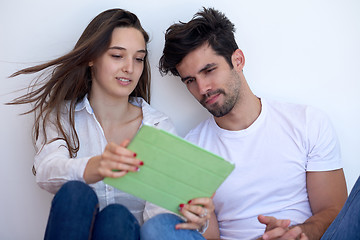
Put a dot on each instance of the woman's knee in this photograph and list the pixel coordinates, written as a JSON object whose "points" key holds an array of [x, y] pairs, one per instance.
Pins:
{"points": [[116, 220], [118, 213], [73, 193]]}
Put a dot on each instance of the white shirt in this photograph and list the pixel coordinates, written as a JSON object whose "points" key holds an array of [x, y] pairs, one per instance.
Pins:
{"points": [[271, 159], [54, 167]]}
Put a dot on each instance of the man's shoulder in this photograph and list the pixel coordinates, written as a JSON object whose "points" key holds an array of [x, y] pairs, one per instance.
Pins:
{"points": [[294, 110]]}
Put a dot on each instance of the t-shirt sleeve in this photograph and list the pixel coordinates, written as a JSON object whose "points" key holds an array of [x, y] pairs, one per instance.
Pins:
{"points": [[322, 143]]}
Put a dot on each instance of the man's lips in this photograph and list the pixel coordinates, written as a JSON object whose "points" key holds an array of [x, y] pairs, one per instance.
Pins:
{"points": [[212, 99]]}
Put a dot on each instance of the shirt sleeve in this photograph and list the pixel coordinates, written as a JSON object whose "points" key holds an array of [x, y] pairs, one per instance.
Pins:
{"points": [[53, 164], [323, 146]]}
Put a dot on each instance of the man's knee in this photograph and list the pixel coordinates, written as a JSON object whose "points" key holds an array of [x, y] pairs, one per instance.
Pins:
{"points": [[158, 225]]}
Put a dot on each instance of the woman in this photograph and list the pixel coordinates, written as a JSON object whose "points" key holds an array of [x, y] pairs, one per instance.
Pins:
{"points": [[91, 104]]}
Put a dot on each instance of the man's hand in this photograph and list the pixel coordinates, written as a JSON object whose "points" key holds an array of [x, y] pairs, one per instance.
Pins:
{"points": [[279, 229]]}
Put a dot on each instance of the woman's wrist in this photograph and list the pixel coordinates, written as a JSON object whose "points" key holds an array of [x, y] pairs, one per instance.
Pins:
{"points": [[204, 227]]}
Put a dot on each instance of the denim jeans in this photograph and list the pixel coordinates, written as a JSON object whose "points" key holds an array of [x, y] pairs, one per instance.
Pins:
{"points": [[75, 214], [162, 227], [347, 224]]}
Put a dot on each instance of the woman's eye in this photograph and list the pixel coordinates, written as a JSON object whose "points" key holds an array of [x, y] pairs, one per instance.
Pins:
{"points": [[116, 56], [140, 59]]}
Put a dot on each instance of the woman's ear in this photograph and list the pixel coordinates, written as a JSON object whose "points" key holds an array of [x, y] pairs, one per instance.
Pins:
{"points": [[91, 63], [238, 59]]}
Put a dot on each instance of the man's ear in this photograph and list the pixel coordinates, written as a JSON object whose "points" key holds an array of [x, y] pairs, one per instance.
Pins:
{"points": [[238, 59]]}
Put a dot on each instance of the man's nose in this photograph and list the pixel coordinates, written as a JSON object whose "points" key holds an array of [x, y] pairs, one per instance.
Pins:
{"points": [[203, 85]]}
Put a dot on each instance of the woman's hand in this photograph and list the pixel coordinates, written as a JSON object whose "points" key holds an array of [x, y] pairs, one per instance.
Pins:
{"points": [[115, 157], [197, 212]]}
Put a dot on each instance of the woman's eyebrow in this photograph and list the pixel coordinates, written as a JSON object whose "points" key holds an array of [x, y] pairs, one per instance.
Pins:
{"points": [[122, 48]]}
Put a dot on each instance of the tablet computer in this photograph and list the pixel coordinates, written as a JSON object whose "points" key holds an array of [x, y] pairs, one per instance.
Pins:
{"points": [[174, 170]]}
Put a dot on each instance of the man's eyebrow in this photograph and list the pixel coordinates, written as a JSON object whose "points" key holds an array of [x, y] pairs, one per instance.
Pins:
{"points": [[207, 66], [122, 48], [185, 78]]}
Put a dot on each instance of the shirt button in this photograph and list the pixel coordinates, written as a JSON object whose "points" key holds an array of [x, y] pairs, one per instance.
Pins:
{"points": [[109, 188]]}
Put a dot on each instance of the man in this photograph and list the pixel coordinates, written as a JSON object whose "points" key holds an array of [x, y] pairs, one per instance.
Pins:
{"points": [[287, 156]]}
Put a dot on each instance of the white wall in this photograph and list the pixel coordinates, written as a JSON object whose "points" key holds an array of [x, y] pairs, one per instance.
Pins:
{"points": [[299, 51]]}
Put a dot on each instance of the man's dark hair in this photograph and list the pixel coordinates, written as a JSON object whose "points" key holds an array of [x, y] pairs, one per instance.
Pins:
{"points": [[207, 26]]}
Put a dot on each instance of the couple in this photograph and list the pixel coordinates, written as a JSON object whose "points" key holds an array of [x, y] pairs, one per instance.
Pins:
{"points": [[287, 184]]}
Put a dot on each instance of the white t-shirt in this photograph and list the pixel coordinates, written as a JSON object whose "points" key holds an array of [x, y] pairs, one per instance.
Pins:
{"points": [[271, 159]]}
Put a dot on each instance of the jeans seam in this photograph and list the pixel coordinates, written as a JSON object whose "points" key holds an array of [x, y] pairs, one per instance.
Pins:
{"points": [[93, 221]]}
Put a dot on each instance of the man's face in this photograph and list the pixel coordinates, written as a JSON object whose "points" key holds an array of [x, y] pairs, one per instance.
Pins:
{"points": [[210, 80]]}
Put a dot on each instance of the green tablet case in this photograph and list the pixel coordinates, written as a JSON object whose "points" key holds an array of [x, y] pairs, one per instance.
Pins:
{"points": [[174, 170]]}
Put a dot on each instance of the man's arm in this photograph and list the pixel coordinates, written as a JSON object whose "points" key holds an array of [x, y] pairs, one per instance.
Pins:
{"points": [[327, 195]]}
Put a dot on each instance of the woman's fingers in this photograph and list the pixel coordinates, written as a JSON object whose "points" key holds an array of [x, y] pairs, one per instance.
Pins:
{"points": [[117, 153], [197, 213], [114, 162]]}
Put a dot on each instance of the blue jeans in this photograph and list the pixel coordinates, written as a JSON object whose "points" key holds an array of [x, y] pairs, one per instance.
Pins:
{"points": [[162, 227], [75, 214], [347, 224]]}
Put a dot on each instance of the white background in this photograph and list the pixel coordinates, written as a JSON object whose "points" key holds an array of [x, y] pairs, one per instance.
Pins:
{"points": [[297, 51]]}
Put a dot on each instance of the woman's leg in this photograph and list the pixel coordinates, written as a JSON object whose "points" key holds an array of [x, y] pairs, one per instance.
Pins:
{"points": [[115, 222], [347, 224], [162, 227], [72, 212]]}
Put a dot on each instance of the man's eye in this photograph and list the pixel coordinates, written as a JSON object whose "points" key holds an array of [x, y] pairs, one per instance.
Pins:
{"points": [[190, 80]]}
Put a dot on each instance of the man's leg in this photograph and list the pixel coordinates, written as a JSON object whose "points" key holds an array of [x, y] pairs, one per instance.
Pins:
{"points": [[72, 212], [116, 222], [347, 224], [162, 227]]}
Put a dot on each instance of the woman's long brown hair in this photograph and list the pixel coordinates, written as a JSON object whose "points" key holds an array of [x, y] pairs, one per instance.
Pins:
{"points": [[70, 77]]}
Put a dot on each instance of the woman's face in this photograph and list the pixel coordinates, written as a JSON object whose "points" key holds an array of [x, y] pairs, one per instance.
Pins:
{"points": [[117, 71]]}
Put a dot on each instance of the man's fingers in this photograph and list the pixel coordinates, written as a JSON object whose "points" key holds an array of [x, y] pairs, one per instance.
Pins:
{"points": [[274, 233], [293, 233], [265, 219], [303, 237], [272, 222], [284, 234]]}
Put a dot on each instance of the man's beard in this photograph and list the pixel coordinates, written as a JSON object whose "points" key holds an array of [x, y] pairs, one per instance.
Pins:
{"points": [[215, 109]]}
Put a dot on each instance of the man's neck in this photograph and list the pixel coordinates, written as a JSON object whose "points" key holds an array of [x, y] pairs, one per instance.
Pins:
{"points": [[242, 115]]}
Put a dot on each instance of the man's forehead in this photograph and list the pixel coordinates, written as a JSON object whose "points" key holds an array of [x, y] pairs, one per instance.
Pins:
{"points": [[196, 63]]}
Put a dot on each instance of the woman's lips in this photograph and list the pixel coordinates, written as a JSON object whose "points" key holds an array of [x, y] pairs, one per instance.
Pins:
{"points": [[123, 81]]}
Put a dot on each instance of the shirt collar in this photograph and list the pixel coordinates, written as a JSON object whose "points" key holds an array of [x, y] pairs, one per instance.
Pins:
{"points": [[150, 115], [84, 104]]}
